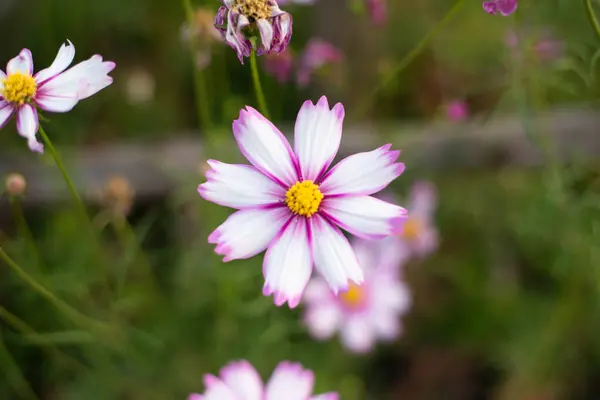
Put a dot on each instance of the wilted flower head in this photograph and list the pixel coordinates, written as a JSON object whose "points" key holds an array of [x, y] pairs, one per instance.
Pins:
{"points": [[377, 10], [504, 7], [203, 34], [419, 232], [15, 184], [280, 66], [457, 110], [317, 54], [51, 89], [239, 381], [291, 205], [366, 313], [273, 24], [118, 195]]}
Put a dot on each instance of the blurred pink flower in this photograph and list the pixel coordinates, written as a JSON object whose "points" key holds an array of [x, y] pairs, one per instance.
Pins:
{"points": [[291, 205], [377, 10], [545, 47], [279, 66], [366, 313], [419, 231], [273, 24], [239, 381], [317, 54], [457, 110], [504, 7], [52, 89]]}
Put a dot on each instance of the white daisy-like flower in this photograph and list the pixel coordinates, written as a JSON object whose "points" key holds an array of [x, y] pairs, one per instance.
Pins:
{"points": [[239, 381], [291, 205], [52, 89]]}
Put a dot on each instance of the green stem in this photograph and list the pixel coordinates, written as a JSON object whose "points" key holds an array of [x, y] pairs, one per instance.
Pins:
{"points": [[25, 231], [200, 90], [589, 8], [78, 202], [13, 373], [260, 95], [60, 305], [405, 62]]}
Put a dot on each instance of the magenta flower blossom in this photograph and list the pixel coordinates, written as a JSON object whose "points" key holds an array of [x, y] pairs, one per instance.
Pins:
{"points": [[366, 313], [377, 10], [419, 231], [291, 205], [504, 7], [279, 66], [274, 26], [317, 54], [239, 381], [457, 110], [52, 89]]}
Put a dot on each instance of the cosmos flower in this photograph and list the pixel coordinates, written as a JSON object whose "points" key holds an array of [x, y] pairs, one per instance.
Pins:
{"points": [[52, 89], [273, 24], [457, 110], [377, 10], [279, 66], [365, 313], [317, 54], [419, 231], [239, 381], [504, 7], [291, 205]]}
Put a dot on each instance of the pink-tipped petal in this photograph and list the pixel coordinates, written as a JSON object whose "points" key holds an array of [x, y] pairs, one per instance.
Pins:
{"points": [[28, 125], [248, 232], [288, 264], [363, 173], [6, 111], [290, 382], [357, 334], [63, 59], [323, 320], [317, 136], [243, 380], [239, 186], [333, 255], [23, 63], [364, 216], [265, 147]]}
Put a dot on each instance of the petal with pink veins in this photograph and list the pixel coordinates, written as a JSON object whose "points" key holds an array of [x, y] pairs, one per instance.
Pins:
{"points": [[243, 380], [23, 63], [239, 186], [265, 147], [364, 216], [63, 59], [248, 232], [6, 111], [363, 173], [317, 136], [288, 264], [28, 125], [290, 382], [333, 255]]}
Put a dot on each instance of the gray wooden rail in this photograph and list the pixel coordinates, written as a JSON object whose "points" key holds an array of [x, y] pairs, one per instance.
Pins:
{"points": [[153, 169]]}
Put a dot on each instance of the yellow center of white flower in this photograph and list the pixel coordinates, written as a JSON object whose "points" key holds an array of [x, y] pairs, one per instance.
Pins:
{"points": [[412, 228], [253, 9], [304, 198], [354, 297], [19, 88]]}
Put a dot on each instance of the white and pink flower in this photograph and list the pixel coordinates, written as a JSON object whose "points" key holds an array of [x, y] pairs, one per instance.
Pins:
{"points": [[52, 89], [239, 381], [291, 205], [419, 233], [367, 313], [273, 24]]}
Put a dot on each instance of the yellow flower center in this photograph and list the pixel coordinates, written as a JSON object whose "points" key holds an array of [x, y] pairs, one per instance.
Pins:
{"points": [[253, 9], [412, 227], [19, 88], [304, 198], [354, 297]]}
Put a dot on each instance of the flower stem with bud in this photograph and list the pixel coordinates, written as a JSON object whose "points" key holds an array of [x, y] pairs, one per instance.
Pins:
{"points": [[260, 95]]}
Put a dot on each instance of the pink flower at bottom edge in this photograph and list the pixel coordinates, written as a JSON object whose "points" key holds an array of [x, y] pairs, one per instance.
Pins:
{"points": [[240, 381]]}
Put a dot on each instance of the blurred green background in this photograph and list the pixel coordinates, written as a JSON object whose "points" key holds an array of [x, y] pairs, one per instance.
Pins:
{"points": [[507, 308]]}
